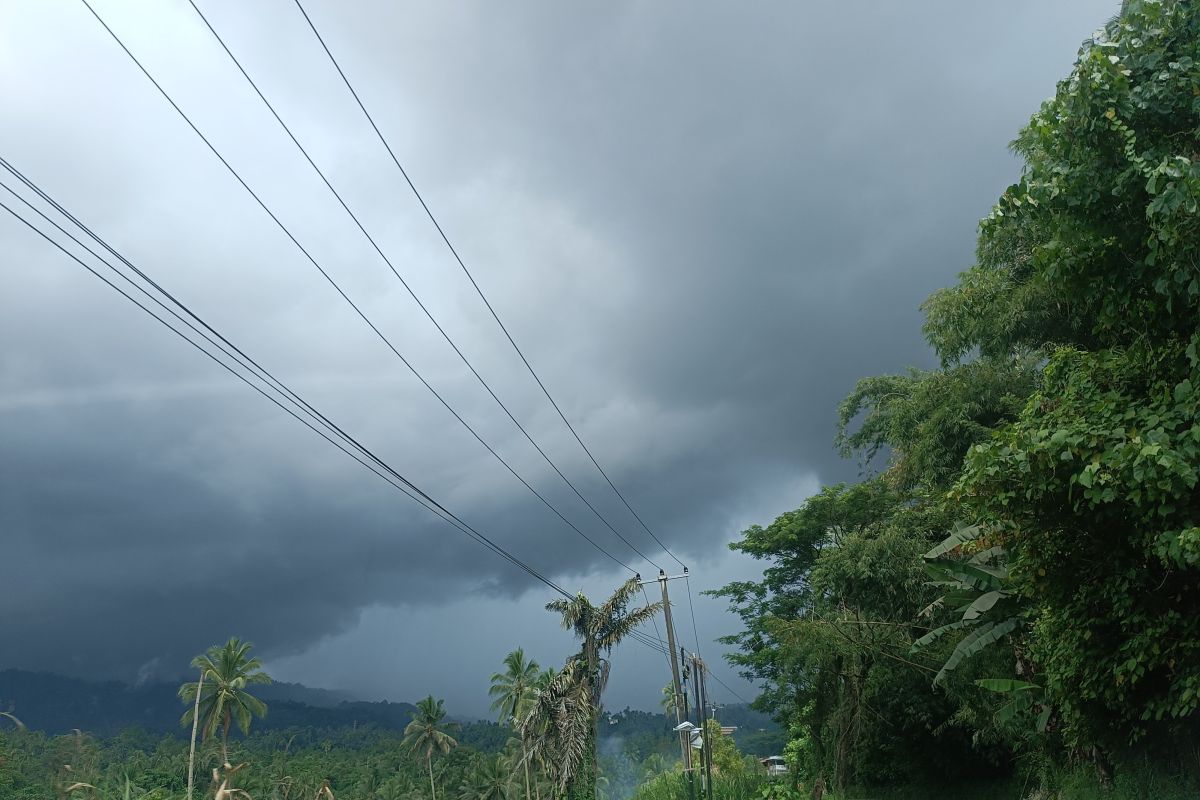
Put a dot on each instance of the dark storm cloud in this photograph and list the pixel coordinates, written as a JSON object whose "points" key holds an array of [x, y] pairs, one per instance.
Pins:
{"points": [[702, 223]]}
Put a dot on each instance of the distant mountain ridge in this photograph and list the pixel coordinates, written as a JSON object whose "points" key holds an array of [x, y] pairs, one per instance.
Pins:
{"points": [[57, 704]]}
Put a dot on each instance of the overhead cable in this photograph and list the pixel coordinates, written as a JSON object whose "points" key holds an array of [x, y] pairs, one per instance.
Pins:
{"points": [[378, 467], [358, 223], [287, 232], [454, 252]]}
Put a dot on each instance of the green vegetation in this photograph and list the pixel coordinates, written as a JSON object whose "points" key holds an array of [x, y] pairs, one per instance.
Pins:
{"points": [[559, 729], [557, 742], [1007, 605], [429, 733], [1016, 594], [359, 761]]}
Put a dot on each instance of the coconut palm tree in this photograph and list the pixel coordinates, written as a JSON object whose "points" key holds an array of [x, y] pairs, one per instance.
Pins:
{"points": [[489, 780], [220, 698], [513, 691], [561, 726], [668, 700], [429, 732], [544, 677]]}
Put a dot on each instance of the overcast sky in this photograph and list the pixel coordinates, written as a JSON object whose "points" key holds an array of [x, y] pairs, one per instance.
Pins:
{"points": [[701, 222]]}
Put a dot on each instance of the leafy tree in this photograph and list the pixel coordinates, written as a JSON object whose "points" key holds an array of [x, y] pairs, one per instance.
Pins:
{"points": [[828, 632], [656, 765], [1090, 260], [429, 733], [228, 672], [1062, 421], [726, 758]]}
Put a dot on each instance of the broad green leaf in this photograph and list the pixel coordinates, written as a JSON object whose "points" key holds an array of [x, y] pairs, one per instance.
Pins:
{"points": [[961, 536], [986, 634], [1004, 685]]}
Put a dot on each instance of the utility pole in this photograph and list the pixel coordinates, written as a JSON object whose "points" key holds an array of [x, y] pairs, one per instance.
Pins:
{"points": [[704, 738], [684, 739], [703, 684]]}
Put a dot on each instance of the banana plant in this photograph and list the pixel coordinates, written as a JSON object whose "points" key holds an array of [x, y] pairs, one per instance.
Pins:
{"points": [[977, 588], [1025, 697]]}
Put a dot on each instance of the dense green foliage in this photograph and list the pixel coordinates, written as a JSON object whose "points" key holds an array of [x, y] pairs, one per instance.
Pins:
{"points": [[559, 730], [358, 761], [1063, 426]]}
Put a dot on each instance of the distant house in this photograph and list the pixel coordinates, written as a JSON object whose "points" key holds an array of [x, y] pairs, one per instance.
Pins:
{"points": [[774, 765]]}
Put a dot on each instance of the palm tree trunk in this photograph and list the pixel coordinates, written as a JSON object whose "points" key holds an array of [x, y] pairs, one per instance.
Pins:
{"points": [[432, 788], [195, 725], [225, 742], [526, 760]]}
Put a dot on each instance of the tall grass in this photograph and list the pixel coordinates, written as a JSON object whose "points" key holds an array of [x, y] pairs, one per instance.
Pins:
{"points": [[674, 786], [1136, 781], [1133, 781], [983, 790]]}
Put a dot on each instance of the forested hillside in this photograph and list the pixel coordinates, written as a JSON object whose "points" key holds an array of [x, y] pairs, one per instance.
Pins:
{"points": [[116, 736], [57, 705]]}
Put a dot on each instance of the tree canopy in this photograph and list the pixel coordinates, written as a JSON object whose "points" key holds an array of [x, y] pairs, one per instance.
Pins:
{"points": [[1057, 445]]}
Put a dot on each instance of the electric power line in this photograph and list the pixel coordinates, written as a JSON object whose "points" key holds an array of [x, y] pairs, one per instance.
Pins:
{"points": [[692, 608], [657, 632], [656, 643], [487, 303], [712, 675], [397, 480], [287, 232], [383, 471], [462, 264], [651, 642], [646, 639], [471, 278], [354, 217]]}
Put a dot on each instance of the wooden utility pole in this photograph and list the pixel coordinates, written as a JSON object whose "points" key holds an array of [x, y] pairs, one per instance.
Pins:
{"points": [[699, 712], [684, 739], [703, 684]]}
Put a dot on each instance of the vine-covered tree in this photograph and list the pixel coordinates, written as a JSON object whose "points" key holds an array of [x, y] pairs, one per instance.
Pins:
{"points": [[561, 726], [1094, 487]]}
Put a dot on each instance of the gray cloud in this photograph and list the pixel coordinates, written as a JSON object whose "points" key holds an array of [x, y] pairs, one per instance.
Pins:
{"points": [[703, 224]]}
